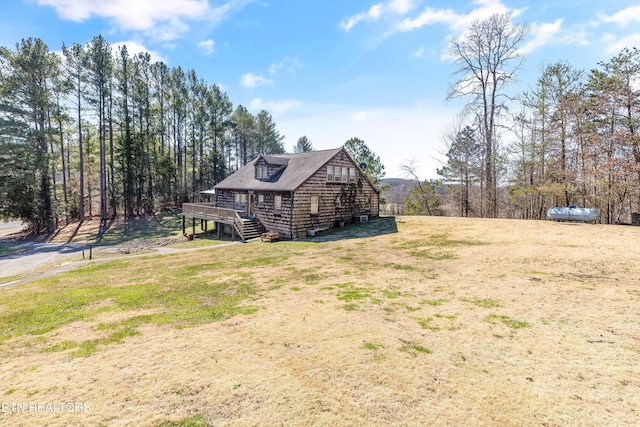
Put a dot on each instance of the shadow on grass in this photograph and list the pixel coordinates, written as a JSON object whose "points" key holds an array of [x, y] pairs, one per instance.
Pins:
{"points": [[376, 227], [143, 227]]}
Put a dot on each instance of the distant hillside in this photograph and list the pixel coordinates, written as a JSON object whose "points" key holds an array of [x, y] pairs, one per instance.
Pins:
{"points": [[399, 189]]}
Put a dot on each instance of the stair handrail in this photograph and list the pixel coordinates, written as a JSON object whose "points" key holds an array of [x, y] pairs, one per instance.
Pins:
{"points": [[237, 223]]}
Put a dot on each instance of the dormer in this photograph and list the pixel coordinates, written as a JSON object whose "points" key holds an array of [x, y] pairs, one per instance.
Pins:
{"points": [[267, 167]]}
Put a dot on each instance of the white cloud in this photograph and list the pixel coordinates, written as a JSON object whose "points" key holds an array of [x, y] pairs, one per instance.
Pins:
{"points": [[542, 34], [276, 107], [418, 53], [616, 45], [454, 21], [378, 11], [159, 19], [401, 6], [133, 48], [623, 17], [372, 14], [289, 64], [275, 67], [208, 46], [250, 80]]}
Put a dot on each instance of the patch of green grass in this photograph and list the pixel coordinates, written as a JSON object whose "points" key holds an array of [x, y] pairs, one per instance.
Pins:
{"points": [[433, 247], [436, 255], [371, 346], [201, 242], [507, 321], [446, 316], [195, 421], [350, 292], [10, 391], [426, 324], [409, 308], [393, 292], [180, 295], [65, 345], [434, 302], [350, 307], [413, 348], [89, 347], [295, 288], [483, 302], [313, 278]]}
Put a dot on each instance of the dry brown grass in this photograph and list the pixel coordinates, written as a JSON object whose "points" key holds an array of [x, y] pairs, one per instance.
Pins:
{"points": [[448, 322]]}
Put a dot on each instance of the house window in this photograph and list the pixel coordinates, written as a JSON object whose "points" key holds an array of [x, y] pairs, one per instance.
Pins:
{"points": [[352, 175], [329, 173], [314, 205], [345, 172], [277, 205], [240, 201], [260, 200], [261, 172], [337, 173]]}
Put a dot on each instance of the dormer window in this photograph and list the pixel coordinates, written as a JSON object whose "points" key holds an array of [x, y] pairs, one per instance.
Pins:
{"points": [[269, 167], [262, 172]]}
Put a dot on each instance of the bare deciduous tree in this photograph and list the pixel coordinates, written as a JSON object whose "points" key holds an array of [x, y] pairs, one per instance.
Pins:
{"points": [[487, 57]]}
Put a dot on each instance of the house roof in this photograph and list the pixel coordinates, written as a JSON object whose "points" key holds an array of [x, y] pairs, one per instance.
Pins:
{"points": [[299, 167]]}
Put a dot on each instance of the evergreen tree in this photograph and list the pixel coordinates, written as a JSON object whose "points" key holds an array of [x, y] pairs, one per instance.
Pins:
{"points": [[366, 159], [25, 103], [303, 145]]}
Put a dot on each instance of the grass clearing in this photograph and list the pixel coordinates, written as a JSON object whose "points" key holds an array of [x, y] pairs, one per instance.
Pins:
{"points": [[346, 328]]}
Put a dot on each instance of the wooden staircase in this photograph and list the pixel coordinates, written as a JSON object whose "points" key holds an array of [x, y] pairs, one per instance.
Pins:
{"points": [[250, 228]]}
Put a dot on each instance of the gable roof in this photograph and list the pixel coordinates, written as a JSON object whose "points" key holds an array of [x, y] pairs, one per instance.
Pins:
{"points": [[299, 167]]}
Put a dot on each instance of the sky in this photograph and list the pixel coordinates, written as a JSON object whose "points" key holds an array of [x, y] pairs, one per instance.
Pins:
{"points": [[331, 70]]}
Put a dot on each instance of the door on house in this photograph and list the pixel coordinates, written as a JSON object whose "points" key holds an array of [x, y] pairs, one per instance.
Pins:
{"points": [[251, 206]]}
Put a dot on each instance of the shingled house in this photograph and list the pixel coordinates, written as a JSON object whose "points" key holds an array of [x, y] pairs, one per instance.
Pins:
{"points": [[294, 194]]}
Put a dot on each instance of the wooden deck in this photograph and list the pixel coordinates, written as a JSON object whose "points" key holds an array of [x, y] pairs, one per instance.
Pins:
{"points": [[245, 228]]}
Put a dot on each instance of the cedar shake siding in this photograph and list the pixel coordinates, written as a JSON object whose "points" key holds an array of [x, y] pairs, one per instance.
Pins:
{"points": [[316, 190]]}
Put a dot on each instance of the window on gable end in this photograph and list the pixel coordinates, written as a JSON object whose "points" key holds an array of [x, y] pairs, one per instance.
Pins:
{"points": [[345, 172], [352, 175], [329, 173], [337, 174], [314, 205]]}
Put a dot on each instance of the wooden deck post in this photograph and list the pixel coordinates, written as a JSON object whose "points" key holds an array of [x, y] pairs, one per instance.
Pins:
{"points": [[193, 226], [184, 225]]}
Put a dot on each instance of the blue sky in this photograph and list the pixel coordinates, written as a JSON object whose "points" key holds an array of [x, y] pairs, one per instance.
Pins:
{"points": [[333, 69]]}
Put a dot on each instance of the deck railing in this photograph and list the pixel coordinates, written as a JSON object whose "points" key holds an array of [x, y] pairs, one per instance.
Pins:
{"points": [[209, 212]]}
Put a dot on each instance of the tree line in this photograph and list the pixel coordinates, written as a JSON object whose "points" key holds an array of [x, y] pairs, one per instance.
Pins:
{"points": [[571, 139], [97, 123]]}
